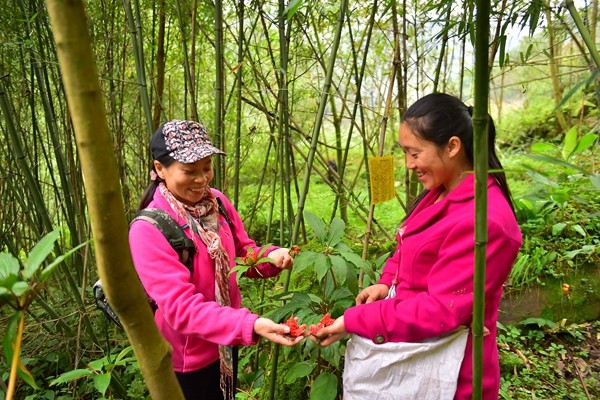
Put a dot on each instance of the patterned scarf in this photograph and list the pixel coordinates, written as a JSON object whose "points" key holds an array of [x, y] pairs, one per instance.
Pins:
{"points": [[203, 218]]}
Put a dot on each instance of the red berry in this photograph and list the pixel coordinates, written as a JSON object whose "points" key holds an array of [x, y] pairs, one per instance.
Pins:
{"points": [[295, 330], [327, 320]]}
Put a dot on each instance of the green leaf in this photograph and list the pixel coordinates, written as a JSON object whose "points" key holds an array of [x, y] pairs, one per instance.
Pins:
{"points": [[586, 141], [577, 228], [45, 274], [123, 353], [26, 375], [335, 234], [325, 387], [11, 335], [99, 364], [340, 293], [595, 179], [317, 225], [339, 268], [304, 260], [39, 253], [71, 375], [291, 9], [540, 322], [569, 143], [298, 370], [283, 311], [322, 265], [9, 270], [352, 278], [101, 382], [544, 148], [19, 288], [558, 228]]}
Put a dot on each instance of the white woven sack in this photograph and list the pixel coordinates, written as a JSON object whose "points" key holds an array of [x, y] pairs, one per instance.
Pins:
{"points": [[426, 370]]}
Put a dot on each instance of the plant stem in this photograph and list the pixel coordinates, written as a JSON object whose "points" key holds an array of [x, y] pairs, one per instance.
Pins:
{"points": [[12, 380]]}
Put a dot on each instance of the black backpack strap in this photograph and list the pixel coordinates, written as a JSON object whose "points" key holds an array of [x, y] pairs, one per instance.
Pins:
{"points": [[223, 212], [172, 231]]}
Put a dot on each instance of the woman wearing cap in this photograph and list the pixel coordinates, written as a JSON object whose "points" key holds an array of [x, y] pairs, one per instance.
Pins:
{"points": [[199, 313], [426, 288]]}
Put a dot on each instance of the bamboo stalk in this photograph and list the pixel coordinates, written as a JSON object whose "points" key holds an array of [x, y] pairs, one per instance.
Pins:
{"points": [[107, 214], [481, 153]]}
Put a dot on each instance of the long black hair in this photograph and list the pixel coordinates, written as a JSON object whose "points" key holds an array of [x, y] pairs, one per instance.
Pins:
{"points": [[439, 116], [148, 194]]}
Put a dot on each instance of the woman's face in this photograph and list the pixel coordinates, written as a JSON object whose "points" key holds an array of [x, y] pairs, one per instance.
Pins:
{"points": [[187, 182], [432, 164]]}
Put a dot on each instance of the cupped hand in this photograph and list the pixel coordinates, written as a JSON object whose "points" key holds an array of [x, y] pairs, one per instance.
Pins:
{"points": [[277, 333], [330, 334], [372, 293], [281, 258]]}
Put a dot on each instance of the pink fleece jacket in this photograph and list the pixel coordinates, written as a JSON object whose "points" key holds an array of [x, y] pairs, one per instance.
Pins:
{"points": [[188, 316], [433, 267]]}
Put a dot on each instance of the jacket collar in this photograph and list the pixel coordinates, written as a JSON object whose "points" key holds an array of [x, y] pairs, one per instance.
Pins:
{"points": [[464, 192]]}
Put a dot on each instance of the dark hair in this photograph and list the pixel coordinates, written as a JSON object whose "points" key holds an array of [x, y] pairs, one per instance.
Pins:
{"points": [[439, 116], [148, 194]]}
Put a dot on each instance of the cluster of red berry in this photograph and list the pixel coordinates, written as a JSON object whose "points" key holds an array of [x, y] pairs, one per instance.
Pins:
{"points": [[296, 330]]}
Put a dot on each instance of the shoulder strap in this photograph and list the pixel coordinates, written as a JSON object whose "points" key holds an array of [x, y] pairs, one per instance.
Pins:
{"points": [[223, 212], [172, 231]]}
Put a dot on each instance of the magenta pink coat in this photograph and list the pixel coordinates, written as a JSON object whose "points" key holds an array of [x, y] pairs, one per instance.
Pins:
{"points": [[433, 268], [188, 316]]}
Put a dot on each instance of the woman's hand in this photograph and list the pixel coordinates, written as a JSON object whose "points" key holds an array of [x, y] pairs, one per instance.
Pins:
{"points": [[281, 258], [372, 293], [277, 333], [330, 334]]}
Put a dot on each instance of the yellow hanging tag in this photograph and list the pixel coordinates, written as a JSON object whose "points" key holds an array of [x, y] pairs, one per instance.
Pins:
{"points": [[382, 179]]}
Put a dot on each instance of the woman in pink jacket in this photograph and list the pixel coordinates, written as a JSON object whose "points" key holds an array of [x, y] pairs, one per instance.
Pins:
{"points": [[199, 312], [432, 268]]}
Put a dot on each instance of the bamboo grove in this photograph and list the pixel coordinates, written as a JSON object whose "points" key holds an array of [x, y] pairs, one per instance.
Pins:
{"points": [[288, 89]]}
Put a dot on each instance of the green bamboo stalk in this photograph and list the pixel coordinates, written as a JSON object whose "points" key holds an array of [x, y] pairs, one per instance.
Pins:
{"points": [[438, 69], [107, 213], [585, 34], [386, 113], [189, 78], [238, 122], [138, 52], [318, 121], [481, 152], [219, 135]]}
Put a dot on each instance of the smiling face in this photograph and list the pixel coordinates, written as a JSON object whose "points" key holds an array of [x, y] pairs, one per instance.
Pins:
{"points": [[187, 182], [434, 165]]}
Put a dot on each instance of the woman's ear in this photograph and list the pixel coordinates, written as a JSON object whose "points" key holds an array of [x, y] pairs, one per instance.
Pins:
{"points": [[454, 146], [159, 169]]}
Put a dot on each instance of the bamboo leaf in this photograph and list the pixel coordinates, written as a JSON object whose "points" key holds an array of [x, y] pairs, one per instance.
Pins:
{"points": [[325, 387], [575, 88], [299, 370], [291, 9], [39, 253], [556, 161]]}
